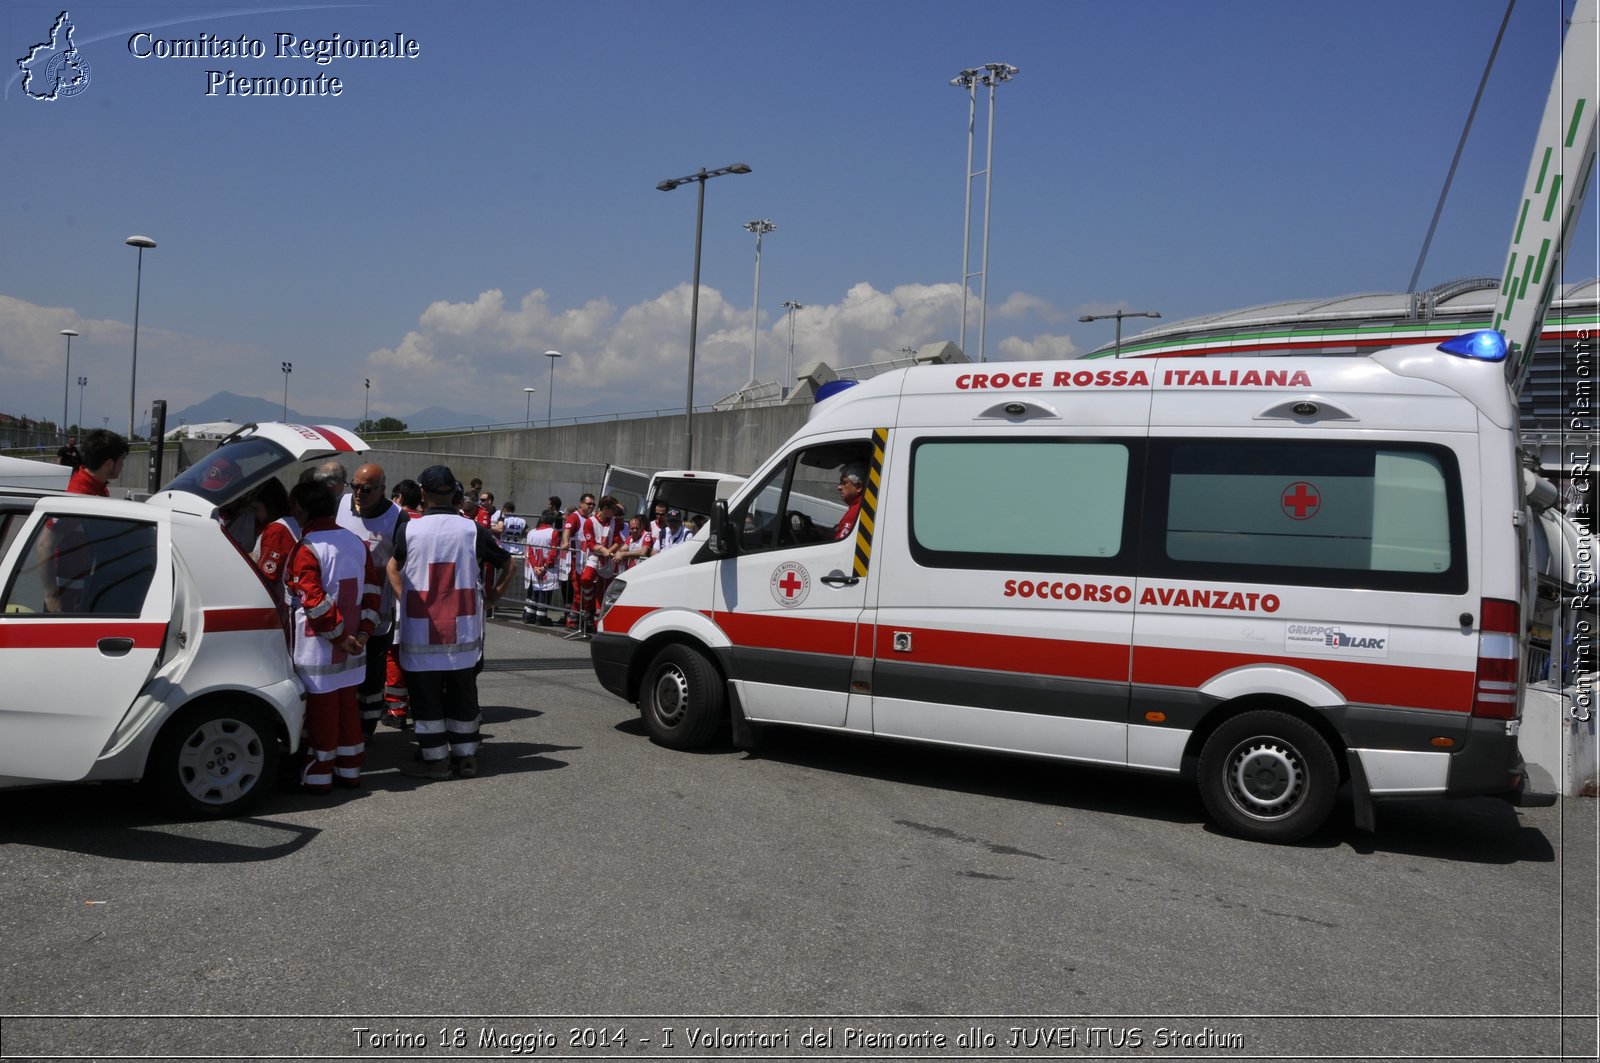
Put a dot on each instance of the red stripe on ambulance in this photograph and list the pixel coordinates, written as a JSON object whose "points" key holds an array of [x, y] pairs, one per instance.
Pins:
{"points": [[1011, 654], [755, 631], [1359, 682]]}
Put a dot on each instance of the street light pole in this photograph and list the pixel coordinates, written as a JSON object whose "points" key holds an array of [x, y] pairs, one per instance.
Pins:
{"points": [[760, 227], [366, 404], [83, 382], [550, 399], [991, 74], [527, 414], [141, 242], [288, 367], [700, 178], [967, 79], [1116, 348], [66, 385], [788, 380]]}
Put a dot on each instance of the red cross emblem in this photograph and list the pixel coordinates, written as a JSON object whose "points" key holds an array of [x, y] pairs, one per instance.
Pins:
{"points": [[1301, 500], [347, 598], [444, 606], [789, 584]]}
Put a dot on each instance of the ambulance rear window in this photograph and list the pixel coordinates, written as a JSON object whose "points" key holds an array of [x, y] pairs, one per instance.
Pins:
{"points": [[1322, 512]]}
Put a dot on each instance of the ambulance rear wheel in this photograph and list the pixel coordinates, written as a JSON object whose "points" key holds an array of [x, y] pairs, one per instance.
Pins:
{"points": [[214, 760], [682, 700], [1268, 776]]}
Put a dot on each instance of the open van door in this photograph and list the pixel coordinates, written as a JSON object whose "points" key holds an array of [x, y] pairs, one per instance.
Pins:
{"points": [[627, 486]]}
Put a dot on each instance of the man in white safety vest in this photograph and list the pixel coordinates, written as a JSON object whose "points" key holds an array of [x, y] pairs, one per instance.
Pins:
{"points": [[435, 576]]}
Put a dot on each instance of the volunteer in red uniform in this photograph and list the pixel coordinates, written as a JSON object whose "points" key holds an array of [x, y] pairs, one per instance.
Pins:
{"points": [[540, 563], [373, 518], [272, 552], [641, 542], [66, 557], [577, 542], [103, 454], [434, 574], [851, 482], [333, 591], [610, 538]]}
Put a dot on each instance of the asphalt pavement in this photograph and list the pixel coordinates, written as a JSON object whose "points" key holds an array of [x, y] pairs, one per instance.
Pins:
{"points": [[593, 895]]}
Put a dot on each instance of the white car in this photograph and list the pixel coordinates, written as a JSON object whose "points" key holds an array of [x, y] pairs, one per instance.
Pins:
{"points": [[160, 655]]}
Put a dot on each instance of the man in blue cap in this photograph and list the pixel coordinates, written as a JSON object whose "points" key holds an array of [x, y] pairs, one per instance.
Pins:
{"points": [[434, 572]]}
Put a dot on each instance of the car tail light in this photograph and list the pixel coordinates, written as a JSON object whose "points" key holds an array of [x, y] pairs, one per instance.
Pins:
{"points": [[1494, 693]]}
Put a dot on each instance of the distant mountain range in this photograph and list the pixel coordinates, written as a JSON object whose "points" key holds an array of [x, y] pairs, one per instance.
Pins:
{"points": [[244, 409]]}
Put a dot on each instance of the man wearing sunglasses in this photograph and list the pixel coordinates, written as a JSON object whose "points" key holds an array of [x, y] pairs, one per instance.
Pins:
{"points": [[373, 517]]}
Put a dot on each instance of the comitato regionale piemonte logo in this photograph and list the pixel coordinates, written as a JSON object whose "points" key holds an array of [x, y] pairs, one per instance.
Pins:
{"points": [[55, 69]]}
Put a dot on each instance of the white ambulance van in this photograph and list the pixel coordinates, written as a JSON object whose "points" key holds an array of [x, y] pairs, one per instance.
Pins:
{"points": [[1276, 575]]}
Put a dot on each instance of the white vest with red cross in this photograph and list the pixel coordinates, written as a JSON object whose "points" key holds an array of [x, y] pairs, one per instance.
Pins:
{"points": [[441, 626], [341, 563]]}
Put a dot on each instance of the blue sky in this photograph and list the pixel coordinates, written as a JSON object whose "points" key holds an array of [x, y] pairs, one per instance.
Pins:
{"points": [[448, 218]]}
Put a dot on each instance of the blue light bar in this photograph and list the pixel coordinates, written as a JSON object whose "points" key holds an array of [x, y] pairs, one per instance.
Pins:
{"points": [[833, 387], [1486, 345]]}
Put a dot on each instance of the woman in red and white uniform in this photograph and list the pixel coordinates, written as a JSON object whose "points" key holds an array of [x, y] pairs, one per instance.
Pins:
{"points": [[332, 589]]}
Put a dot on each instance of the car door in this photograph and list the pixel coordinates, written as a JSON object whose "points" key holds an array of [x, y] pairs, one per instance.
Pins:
{"points": [[1007, 626], [87, 598], [791, 597]]}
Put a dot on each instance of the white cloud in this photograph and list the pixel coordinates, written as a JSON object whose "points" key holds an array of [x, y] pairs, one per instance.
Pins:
{"points": [[465, 354], [182, 369], [477, 356], [1021, 304], [1038, 349]]}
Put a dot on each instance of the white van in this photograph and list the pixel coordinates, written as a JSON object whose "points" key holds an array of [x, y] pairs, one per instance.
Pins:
{"points": [[693, 492], [1275, 574]]}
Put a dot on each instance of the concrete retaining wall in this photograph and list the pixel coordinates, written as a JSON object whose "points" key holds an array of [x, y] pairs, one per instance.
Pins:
{"points": [[527, 465]]}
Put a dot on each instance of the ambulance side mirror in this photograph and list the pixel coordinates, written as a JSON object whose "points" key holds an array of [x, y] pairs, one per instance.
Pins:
{"points": [[722, 541]]}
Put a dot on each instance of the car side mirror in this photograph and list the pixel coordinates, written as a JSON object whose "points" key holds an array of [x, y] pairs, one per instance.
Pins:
{"points": [[721, 540]]}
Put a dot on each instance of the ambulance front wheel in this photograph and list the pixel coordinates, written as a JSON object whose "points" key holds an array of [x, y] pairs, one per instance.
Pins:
{"points": [[1269, 776], [682, 700]]}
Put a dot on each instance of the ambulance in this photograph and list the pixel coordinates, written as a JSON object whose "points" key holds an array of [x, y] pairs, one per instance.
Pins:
{"points": [[1274, 576]]}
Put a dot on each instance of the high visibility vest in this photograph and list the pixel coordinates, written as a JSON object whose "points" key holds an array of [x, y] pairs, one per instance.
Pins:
{"points": [[441, 624], [340, 562], [378, 533]]}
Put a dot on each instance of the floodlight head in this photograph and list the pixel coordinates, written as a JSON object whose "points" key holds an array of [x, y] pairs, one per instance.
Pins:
{"points": [[667, 186], [139, 241], [70, 332], [552, 354], [739, 167]]}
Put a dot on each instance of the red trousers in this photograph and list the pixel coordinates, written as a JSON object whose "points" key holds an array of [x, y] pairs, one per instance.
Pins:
{"points": [[335, 746]]}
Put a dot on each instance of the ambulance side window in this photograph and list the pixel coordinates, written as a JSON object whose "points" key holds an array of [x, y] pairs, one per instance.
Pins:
{"points": [[1041, 504], [799, 503], [1317, 512]]}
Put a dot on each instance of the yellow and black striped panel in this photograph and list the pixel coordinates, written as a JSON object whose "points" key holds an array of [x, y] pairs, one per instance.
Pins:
{"points": [[867, 519]]}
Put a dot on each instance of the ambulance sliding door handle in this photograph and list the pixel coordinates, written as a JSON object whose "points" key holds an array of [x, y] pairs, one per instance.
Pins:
{"points": [[841, 581], [114, 647]]}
